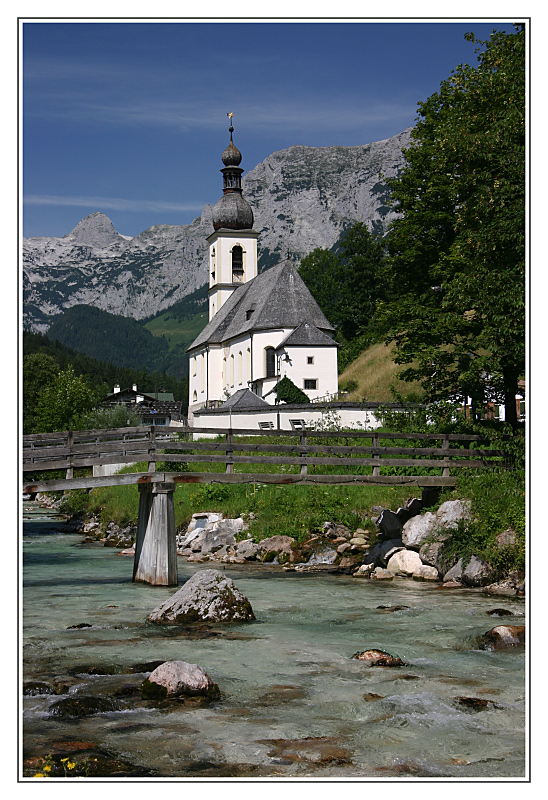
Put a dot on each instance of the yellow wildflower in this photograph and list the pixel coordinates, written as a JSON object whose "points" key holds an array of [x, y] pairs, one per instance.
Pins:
{"points": [[39, 775], [71, 765]]}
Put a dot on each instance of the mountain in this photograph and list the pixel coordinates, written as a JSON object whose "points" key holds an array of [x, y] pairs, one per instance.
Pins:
{"points": [[302, 198]]}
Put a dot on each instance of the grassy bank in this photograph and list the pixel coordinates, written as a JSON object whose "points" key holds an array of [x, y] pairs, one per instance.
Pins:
{"points": [[289, 510], [497, 501]]}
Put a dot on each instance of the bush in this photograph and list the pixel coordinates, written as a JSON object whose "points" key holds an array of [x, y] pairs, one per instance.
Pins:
{"points": [[289, 393]]}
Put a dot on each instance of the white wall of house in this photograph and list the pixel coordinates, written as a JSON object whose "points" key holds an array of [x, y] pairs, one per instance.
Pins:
{"points": [[346, 417]]}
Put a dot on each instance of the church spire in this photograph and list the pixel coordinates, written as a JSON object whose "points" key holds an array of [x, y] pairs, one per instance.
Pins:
{"points": [[232, 211]]}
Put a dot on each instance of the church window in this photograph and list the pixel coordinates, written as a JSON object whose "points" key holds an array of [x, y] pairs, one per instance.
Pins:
{"points": [[240, 367], [310, 383], [194, 366], [270, 362], [237, 264], [202, 373], [248, 363], [310, 359], [232, 370], [194, 396]]}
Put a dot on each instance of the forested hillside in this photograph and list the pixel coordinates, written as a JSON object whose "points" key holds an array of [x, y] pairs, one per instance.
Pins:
{"points": [[45, 360]]}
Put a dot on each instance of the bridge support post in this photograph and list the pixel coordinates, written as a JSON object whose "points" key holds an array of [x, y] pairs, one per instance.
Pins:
{"points": [[155, 547]]}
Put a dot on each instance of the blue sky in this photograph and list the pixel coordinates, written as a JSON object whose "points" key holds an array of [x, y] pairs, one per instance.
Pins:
{"points": [[130, 118]]}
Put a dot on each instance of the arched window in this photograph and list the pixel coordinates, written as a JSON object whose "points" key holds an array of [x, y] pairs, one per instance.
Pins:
{"points": [[232, 370], [237, 263], [194, 396], [270, 362], [240, 367]]}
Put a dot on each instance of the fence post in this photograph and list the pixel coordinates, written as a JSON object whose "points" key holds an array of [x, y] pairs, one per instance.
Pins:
{"points": [[375, 443], [304, 467], [70, 442], [445, 446], [152, 449], [229, 452]]}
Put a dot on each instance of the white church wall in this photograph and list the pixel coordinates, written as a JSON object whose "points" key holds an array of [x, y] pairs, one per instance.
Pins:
{"points": [[220, 256], [322, 369]]}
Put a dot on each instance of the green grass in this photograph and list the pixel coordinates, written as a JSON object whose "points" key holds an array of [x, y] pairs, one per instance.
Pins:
{"points": [[373, 373], [294, 511], [497, 499]]}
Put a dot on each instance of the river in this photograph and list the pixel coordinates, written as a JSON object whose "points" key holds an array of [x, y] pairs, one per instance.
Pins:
{"points": [[294, 703]]}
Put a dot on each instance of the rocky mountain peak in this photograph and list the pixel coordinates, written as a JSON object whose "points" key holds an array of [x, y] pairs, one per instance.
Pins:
{"points": [[95, 230], [302, 198]]}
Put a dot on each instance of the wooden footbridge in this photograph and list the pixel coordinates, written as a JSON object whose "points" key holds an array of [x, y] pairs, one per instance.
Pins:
{"points": [[317, 458]]}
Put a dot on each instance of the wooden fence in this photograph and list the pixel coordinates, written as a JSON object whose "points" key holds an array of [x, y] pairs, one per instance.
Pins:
{"points": [[314, 456]]}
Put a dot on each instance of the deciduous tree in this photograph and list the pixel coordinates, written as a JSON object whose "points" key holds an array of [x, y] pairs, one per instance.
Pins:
{"points": [[456, 269]]}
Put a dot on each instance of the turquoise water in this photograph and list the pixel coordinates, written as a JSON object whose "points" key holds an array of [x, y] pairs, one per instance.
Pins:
{"points": [[294, 703]]}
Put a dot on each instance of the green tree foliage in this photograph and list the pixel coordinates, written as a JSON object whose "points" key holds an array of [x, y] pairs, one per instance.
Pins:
{"points": [[118, 416], [456, 267], [110, 337], [347, 284], [287, 392], [39, 370], [62, 401]]}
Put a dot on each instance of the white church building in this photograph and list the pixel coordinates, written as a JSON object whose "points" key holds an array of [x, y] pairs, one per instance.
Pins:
{"points": [[261, 327]]}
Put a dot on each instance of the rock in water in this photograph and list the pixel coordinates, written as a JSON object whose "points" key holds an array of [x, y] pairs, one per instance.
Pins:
{"points": [[379, 658], [209, 596], [180, 678], [502, 636]]}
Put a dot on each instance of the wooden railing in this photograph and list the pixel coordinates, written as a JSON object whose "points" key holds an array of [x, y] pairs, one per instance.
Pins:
{"points": [[316, 456]]}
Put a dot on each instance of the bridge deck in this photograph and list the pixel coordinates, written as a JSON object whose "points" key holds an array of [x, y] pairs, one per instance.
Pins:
{"points": [[140, 478]]}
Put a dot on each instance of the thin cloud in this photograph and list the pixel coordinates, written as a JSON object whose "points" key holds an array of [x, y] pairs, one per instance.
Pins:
{"points": [[111, 203], [339, 116]]}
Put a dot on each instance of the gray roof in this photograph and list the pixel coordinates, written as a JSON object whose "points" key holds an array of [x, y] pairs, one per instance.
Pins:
{"points": [[244, 399], [306, 335], [278, 297]]}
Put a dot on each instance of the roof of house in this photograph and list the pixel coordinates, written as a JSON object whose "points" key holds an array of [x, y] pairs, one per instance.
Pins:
{"points": [[147, 405], [244, 399], [306, 335], [277, 298]]}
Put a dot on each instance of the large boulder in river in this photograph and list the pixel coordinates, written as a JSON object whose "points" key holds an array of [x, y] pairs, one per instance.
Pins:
{"points": [[379, 554], [502, 636], [404, 562], [434, 526], [418, 529], [275, 548], [477, 573], [426, 573], [179, 678], [209, 596], [390, 525], [433, 555], [379, 658]]}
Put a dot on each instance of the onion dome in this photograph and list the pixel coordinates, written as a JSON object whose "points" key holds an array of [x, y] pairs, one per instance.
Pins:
{"points": [[231, 155], [232, 211]]}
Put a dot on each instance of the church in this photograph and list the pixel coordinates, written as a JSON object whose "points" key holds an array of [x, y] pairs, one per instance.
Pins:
{"points": [[261, 327]]}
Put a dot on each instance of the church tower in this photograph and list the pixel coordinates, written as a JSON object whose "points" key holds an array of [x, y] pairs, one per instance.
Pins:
{"points": [[233, 244]]}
